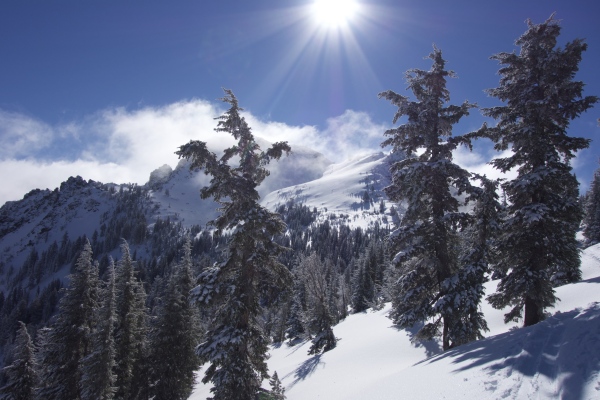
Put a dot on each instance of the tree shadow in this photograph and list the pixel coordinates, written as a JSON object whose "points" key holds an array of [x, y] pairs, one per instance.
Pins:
{"points": [[592, 280], [565, 348], [305, 369], [431, 347]]}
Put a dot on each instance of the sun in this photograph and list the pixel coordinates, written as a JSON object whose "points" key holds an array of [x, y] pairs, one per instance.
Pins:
{"points": [[332, 14]]}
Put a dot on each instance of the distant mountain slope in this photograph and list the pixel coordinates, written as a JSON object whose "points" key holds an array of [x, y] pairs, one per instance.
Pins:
{"points": [[177, 192], [47, 223], [557, 358], [43, 217], [350, 192]]}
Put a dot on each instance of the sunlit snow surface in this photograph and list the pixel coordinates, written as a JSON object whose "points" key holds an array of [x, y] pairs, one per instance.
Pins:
{"points": [[558, 358], [339, 195]]}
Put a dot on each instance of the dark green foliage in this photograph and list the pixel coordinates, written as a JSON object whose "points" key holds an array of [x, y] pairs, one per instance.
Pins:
{"points": [[423, 244], [277, 391], [363, 289], [591, 221], [68, 341], [130, 329], [235, 344], [174, 335], [98, 379], [318, 318], [22, 372], [368, 278], [295, 325], [464, 290], [538, 245]]}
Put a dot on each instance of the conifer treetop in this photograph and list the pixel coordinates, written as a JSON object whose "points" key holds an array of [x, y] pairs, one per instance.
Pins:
{"points": [[232, 186]]}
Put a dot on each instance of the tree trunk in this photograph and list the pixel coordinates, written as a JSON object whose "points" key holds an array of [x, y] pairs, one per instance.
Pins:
{"points": [[445, 339], [532, 312]]}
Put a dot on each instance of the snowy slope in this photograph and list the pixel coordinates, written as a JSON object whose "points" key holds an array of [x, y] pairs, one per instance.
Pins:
{"points": [[177, 192], [339, 195], [558, 358], [44, 216]]}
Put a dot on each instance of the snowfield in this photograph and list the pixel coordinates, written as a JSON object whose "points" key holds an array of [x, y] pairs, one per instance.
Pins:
{"points": [[558, 358], [339, 194]]}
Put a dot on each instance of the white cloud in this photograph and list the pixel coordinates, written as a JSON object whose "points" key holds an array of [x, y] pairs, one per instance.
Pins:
{"points": [[346, 136], [22, 176], [22, 135], [120, 145], [112, 146]]}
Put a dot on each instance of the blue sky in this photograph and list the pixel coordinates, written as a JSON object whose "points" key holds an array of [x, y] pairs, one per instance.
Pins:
{"points": [[109, 89]]}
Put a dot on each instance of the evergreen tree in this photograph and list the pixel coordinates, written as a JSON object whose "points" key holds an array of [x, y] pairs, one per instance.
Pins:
{"points": [[464, 289], [235, 344], [98, 379], [22, 372], [295, 323], [69, 340], [174, 336], [130, 328], [538, 245], [363, 290], [591, 221], [318, 318], [277, 391], [423, 244]]}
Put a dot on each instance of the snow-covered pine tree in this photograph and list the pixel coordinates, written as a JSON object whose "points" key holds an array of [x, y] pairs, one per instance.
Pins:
{"points": [[277, 390], [362, 287], [295, 324], [235, 345], [22, 372], [318, 318], [130, 327], [538, 245], [69, 340], [464, 289], [98, 379], [591, 221], [175, 335], [422, 245]]}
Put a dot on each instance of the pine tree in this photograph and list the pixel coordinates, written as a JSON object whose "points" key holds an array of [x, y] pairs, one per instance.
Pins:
{"points": [[591, 221], [422, 245], [362, 288], [235, 344], [538, 245], [464, 290], [318, 318], [130, 327], [295, 325], [98, 379], [22, 372], [69, 340], [277, 391], [174, 336]]}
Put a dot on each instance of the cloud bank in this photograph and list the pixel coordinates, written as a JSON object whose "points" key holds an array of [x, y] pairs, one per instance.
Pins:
{"points": [[119, 145]]}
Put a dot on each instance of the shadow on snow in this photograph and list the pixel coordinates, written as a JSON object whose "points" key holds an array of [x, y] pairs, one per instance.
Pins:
{"points": [[564, 347]]}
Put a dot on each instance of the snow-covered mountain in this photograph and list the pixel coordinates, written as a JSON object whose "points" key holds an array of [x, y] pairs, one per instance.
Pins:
{"points": [[558, 358], [348, 193], [47, 221], [177, 192], [44, 217]]}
